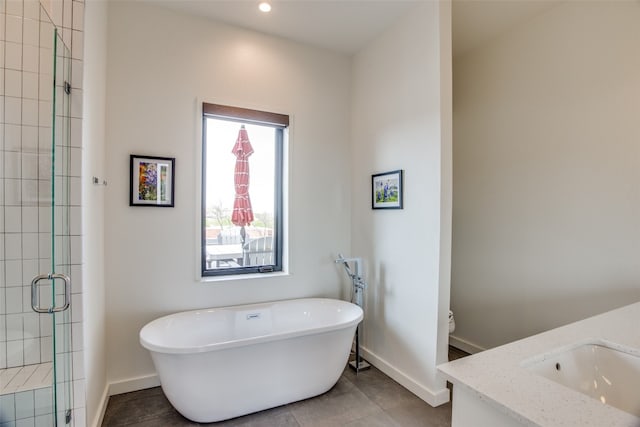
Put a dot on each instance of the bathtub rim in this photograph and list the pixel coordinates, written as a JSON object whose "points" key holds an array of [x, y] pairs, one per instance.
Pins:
{"points": [[222, 345]]}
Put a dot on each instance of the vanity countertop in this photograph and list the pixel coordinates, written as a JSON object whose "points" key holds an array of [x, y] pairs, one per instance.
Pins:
{"points": [[498, 378]]}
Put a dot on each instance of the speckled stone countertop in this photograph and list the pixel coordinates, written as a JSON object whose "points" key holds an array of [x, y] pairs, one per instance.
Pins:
{"points": [[498, 378]]}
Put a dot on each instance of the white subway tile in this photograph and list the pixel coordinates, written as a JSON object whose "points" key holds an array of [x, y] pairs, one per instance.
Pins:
{"points": [[32, 351], [3, 361], [30, 245], [78, 16], [66, 39], [12, 192], [80, 417], [13, 29], [67, 14], [45, 420], [13, 56], [56, 12], [77, 45], [30, 112], [13, 271], [13, 83], [46, 349], [12, 164], [25, 405], [29, 192], [75, 220], [31, 32], [32, 9], [45, 263], [46, 327], [76, 337], [13, 246], [2, 252], [45, 245], [14, 327], [29, 269], [31, 323], [44, 167], [76, 103], [14, 7], [30, 139], [76, 132], [76, 191], [44, 218], [44, 191], [77, 69], [46, 87], [43, 401], [46, 33], [8, 406], [78, 393], [29, 219], [29, 85], [30, 58], [78, 365], [46, 61], [12, 110], [76, 279], [76, 303], [12, 137], [76, 162], [46, 113], [13, 300], [15, 354], [30, 165]]}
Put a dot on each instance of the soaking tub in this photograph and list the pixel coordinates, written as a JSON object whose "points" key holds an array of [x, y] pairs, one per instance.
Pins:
{"points": [[221, 363]]}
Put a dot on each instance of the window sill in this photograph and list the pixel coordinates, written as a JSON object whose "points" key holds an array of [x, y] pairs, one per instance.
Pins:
{"points": [[234, 277]]}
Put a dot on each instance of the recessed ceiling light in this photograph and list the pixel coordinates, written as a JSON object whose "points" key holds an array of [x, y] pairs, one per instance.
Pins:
{"points": [[264, 7]]}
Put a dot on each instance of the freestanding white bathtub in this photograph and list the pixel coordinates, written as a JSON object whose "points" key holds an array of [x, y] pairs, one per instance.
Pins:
{"points": [[221, 363]]}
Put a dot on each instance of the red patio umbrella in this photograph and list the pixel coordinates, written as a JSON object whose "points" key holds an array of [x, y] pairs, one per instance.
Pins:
{"points": [[242, 212]]}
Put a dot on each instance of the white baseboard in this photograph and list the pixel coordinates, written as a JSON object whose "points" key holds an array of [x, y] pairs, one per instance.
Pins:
{"points": [[433, 398], [134, 384], [465, 345], [104, 400]]}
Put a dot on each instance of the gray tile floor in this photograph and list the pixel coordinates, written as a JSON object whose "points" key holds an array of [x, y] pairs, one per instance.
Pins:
{"points": [[369, 399]]}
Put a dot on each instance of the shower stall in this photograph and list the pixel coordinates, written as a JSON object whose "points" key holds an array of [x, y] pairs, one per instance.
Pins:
{"points": [[37, 204]]}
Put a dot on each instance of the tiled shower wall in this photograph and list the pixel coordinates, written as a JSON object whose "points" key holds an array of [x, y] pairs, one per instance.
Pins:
{"points": [[25, 128]]}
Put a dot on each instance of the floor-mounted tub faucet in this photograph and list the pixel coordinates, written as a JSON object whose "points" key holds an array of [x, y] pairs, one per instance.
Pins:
{"points": [[357, 288]]}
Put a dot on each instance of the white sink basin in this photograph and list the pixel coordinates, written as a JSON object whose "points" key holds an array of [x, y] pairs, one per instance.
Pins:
{"points": [[596, 369]]}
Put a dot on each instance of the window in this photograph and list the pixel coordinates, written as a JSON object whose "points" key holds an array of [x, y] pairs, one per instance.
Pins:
{"points": [[242, 200]]}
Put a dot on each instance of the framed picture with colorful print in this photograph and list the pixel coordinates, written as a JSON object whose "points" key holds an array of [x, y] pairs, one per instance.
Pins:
{"points": [[152, 181]]}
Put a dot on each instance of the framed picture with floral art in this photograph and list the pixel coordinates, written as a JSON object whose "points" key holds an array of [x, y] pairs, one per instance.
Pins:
{"points": [[386, 190], [152, 181]]}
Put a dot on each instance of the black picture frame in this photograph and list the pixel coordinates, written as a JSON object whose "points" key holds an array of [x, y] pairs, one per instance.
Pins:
{"points": [[387, 190], [152, 181]]}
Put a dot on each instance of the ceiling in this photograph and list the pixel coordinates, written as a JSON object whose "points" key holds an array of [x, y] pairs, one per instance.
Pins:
{"points": [[346, 26]]}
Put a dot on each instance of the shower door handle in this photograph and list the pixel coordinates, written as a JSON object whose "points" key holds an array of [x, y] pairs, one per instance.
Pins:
{"points": [[35, 299]]}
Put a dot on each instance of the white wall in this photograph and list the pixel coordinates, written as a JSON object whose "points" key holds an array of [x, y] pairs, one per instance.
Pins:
{"points": [[161, 66], [547, 173], [399, 123], [93, 135]]}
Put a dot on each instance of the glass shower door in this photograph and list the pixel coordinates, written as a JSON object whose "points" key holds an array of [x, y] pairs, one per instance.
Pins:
{"points": [[36, 205], [51, 289]]}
